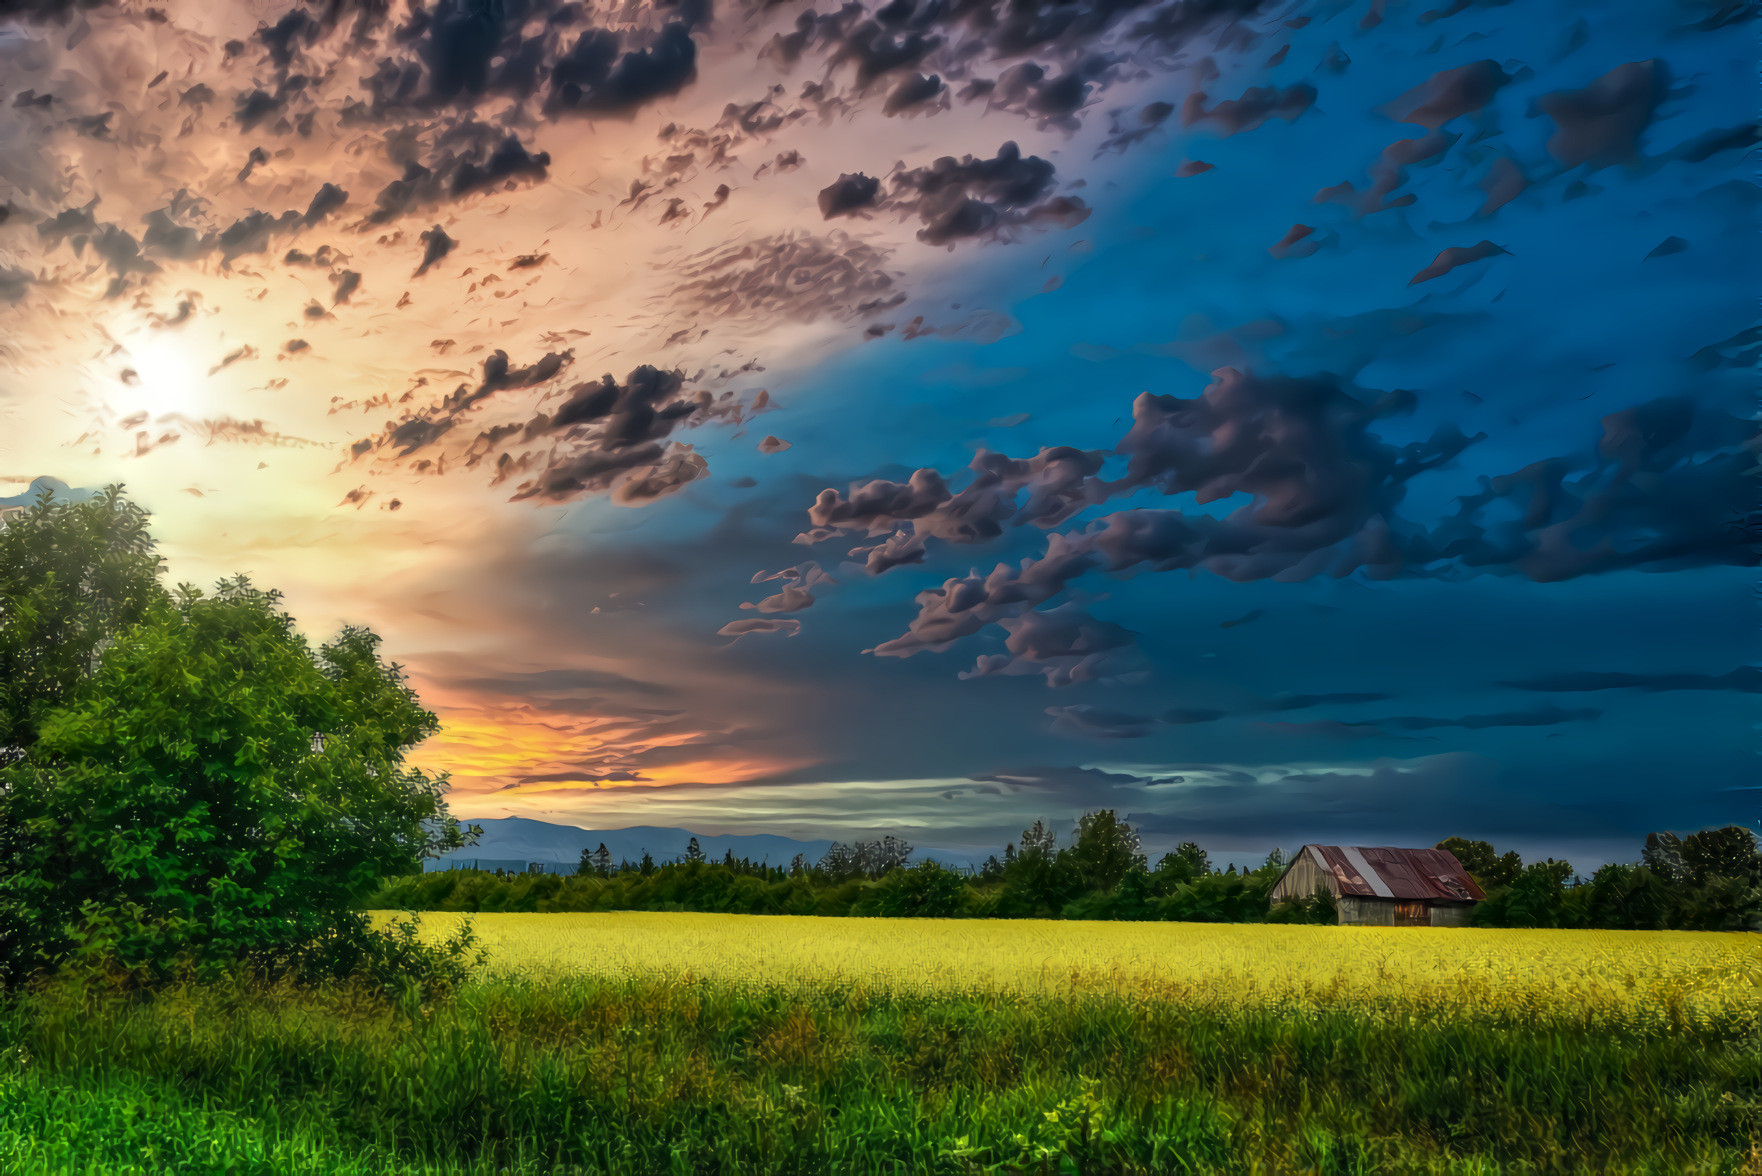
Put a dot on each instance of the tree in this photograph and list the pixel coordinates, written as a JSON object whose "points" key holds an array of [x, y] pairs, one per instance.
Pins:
{"points": [[992, 870], [693, 853], [798, 865], [1274, 860], [928, 890], [1198, 861], [1105, 849], [179, 806], [602, 861], [1038, 840], [874, 858], [1488, 868], [73, 575], [1663, 856], [1009, 854], [1727, 852], [839, 861], [648, 864]]}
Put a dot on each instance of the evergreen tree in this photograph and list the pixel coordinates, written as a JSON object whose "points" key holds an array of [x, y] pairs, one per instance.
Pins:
{"points": [[602, 861], [693, 853], [798, 865], [648, 864]]}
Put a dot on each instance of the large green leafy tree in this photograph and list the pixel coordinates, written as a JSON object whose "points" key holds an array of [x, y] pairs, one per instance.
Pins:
{"points": [[217, 791], [1106, 849], [1488, 867], [72, 576]]}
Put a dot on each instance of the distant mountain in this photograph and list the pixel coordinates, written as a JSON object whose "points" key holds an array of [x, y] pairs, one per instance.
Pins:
{"points": [[517, 842]]}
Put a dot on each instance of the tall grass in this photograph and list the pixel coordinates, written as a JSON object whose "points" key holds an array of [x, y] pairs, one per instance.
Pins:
{"points": [[603, 1075]]}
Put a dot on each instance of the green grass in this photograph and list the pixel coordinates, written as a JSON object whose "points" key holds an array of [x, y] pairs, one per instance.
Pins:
{"points": [[599, 1076]]}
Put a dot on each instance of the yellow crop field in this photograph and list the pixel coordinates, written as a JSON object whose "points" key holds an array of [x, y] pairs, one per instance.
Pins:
{"points": [[1676, 973]]}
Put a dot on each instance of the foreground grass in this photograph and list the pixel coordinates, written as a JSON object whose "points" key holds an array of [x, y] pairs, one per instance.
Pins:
{"points": [[598, 1075]]}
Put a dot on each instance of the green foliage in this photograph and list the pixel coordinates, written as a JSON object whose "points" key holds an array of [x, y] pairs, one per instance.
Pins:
{"points": [[216, 791], [1535, 898], [1216, 898], [1627, 898], [72, 577], [1318, 908], [1487, 867], [1726, 852], [926, 890], [1105, 849], [659, 1077]]}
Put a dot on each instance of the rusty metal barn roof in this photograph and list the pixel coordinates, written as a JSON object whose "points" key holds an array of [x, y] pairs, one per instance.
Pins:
{"points": [[1383, 871]]}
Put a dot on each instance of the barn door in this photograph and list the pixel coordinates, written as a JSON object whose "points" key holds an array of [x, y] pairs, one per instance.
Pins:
{"points": [[1412, 914]]}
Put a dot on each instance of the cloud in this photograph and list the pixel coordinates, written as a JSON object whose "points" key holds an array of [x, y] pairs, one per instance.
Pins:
{"points": [[1548, 716], [1743, 680], [795, 277], [1449, 94], [1092, 723], [1601, 124], [1257, 104], [849, 193], [435, 245], [1458, 255], [959, 199], [787, 626]]}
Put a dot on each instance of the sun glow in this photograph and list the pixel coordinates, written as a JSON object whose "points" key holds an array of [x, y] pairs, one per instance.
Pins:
{"points": [[161, 376]]}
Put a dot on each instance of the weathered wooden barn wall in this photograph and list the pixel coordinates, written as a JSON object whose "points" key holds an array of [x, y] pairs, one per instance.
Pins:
{"points": [[1447, 915], [1366, 912], [1301, 880]]}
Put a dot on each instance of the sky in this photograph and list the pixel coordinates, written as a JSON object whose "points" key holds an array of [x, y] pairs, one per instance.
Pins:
{"points": [[1277, 422]]}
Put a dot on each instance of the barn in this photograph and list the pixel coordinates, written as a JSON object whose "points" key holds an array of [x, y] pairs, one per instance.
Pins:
{"points": [[1381, 886]]}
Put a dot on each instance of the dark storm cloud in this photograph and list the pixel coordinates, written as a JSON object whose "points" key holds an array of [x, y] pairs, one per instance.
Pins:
{"points": [[914, 94], [600, 437], [1388, 174], [435, 245], [1322, 496], [1126, 132], [1449, 94], [849, 193], [1257, 104], [1743, 680], [598, 76], [1661, 490], [1602, 123], [469, 158], [14, 282], [962, 198], [1063, 644]]}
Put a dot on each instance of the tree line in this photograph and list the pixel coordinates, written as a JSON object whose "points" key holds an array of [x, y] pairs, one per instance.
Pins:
{"points": [[1708, 881]]}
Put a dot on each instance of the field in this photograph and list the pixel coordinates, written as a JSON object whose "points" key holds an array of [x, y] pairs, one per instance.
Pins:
{"points": [[1639, 972], [639, 1043]]}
